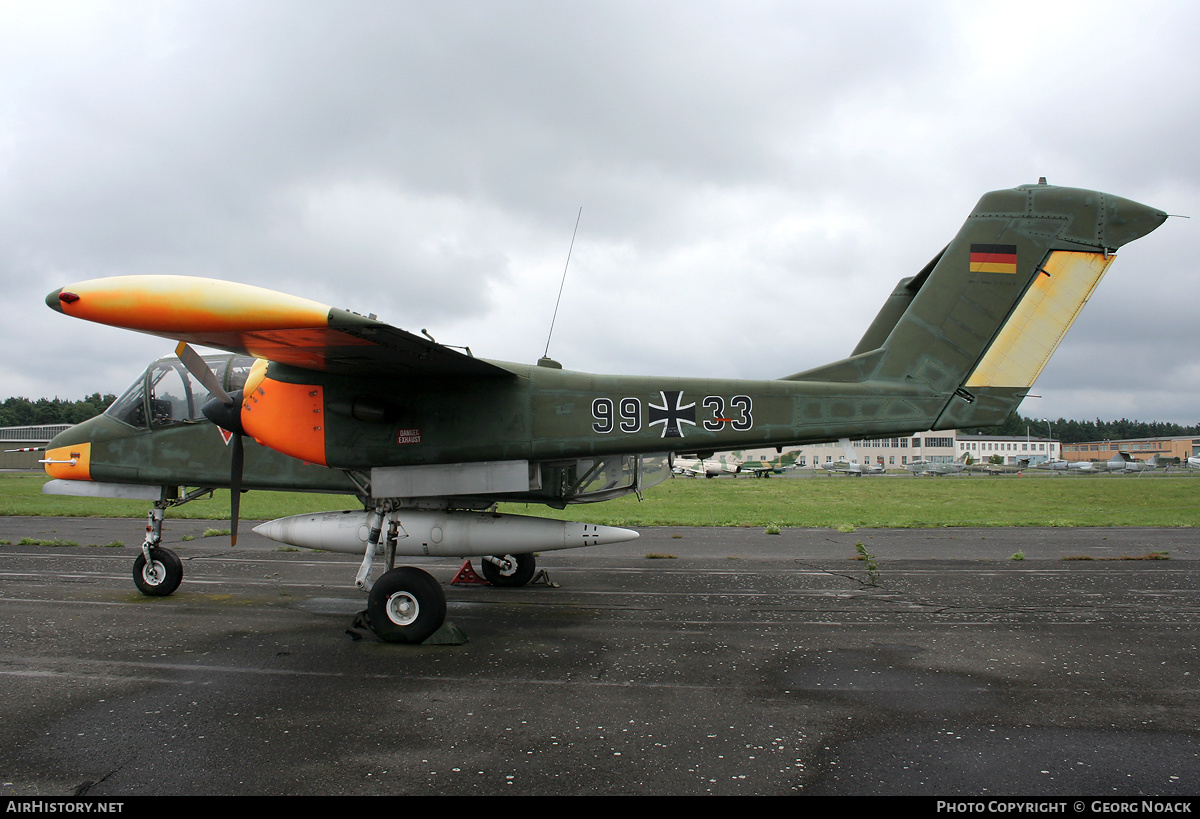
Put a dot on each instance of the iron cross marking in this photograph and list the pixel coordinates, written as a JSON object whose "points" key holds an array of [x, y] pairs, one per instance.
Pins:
{"points": [[671, 414]]}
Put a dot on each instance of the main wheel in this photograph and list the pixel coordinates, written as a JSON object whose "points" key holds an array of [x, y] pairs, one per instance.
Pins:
{"points": [[406, 605], [513, 570], [161, 576]]}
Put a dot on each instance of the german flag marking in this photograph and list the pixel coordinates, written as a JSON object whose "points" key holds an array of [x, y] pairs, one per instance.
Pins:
{"points": [[993, 258]]}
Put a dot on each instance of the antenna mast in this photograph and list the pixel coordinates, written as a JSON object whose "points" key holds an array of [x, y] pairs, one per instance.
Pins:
{"points": [[546, 355]]}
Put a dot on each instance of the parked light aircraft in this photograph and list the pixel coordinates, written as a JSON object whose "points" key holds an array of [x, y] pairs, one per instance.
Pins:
{"points": [[319, 399]]}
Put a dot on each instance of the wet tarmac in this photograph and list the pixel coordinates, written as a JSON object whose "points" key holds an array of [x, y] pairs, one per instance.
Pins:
{"points": [[734, 662]]}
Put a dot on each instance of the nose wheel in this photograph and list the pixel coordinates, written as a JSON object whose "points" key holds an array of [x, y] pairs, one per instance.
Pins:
{"points": [[160, 575]]}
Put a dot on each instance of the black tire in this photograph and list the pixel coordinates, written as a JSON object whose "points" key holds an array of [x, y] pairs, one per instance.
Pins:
{"points": [[519, 571], [162, 576], [406, 605]]}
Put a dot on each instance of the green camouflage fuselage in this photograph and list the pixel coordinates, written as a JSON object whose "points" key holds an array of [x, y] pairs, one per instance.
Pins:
{"points": [[959, 344]]}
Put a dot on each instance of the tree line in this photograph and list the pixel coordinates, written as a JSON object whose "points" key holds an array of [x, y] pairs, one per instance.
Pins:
{"points": [[1073, 432], [21, 412]]}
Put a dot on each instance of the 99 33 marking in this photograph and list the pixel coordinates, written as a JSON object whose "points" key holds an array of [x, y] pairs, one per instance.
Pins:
{"points": [[671, 413]]}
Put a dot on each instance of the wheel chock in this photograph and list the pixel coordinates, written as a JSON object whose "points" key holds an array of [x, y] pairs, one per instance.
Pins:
{"points": [[360, 627], [542, 579], [467, 577], [447, 634]]}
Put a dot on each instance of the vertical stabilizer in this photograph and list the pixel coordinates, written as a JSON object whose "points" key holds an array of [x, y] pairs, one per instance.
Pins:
{"points": [[981, 320]]}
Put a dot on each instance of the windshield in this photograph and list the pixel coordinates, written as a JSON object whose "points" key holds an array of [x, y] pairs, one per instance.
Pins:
{"points": [[130, 407], [175, 396]]}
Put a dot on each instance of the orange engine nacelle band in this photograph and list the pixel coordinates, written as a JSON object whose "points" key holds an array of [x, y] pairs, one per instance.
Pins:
{"points": [[288, 418]]}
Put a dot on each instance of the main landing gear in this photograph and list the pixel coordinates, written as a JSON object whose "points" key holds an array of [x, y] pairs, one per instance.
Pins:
{"points": [[406, 605]]}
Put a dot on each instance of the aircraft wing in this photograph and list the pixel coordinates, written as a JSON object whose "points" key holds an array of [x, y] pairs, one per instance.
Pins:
{"points": [[263, 323]]}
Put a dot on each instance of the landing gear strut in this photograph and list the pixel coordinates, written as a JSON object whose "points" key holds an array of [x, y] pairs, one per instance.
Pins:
{"points": [[406, 604], [158, 571]]}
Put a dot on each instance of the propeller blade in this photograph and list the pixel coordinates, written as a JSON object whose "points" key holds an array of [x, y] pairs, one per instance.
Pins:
{"points": [[200, 371], [235, 485], [228, 416]]}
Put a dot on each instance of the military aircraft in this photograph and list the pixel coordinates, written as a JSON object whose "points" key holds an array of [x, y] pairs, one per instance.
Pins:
{"points": [[842, 467], [320, 399], [1055, 465], [1126, 463], [936, 468], [988, 468], [729, 463], [706, 467], [765, 468], [849, 465]]}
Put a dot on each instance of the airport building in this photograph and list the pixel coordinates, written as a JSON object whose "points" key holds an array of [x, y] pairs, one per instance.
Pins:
{"points": [[1182, 448], [1014, 449], [891, 453], [941, 446], [25, 438]]}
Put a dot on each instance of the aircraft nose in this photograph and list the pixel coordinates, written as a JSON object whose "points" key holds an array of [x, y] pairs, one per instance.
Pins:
{"points": [[54, 300]]}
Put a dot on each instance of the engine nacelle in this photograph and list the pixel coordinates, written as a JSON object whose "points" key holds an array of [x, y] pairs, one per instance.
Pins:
{"points": [[288, 418]]}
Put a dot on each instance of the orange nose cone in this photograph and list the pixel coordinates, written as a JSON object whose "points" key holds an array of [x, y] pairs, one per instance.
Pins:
{"points": [[69, 463]]}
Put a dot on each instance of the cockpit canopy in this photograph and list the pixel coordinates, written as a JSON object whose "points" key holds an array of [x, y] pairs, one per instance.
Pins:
{"points": [[167, 394]]}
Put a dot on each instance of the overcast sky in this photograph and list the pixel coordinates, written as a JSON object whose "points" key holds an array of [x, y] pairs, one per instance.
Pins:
{"points": [[754, 177]]}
